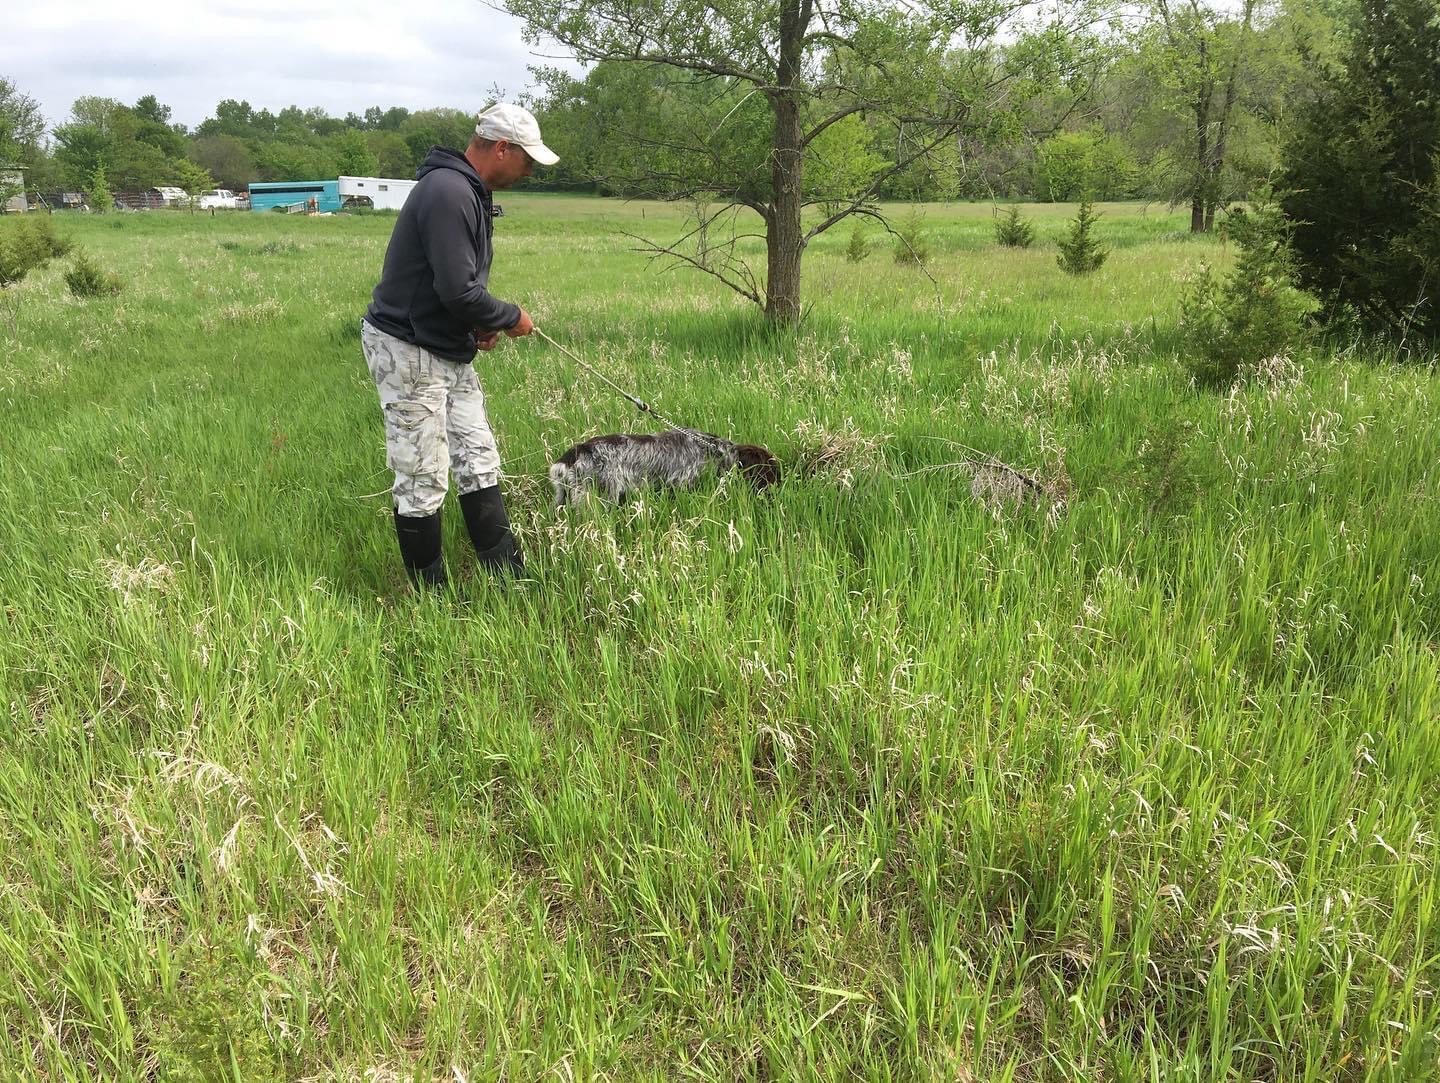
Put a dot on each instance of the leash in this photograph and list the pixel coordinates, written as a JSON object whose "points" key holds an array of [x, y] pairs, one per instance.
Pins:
{"points": [[640, 404]]}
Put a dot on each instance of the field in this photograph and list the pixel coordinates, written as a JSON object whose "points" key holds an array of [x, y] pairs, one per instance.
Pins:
{"points": [[856, 779]]}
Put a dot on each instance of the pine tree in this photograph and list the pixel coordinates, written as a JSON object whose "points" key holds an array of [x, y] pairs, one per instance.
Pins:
{"points": [[1080, 252], [1257, 312], [858, 247], [101, 198], [912, 243], [1014, 231], [87, 279], [1362, 173]]}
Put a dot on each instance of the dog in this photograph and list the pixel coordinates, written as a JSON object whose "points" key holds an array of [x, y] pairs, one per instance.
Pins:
{"points": [[620, 462]]}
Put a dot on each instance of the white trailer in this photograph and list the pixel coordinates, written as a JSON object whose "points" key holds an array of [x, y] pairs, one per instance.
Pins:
{"points": [[383, 193]]}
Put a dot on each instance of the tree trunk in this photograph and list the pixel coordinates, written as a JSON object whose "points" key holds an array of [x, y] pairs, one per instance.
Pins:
{"points": [[1203, 96], [1217, 157], [783, 237], [1202, 164], [784, 242]]}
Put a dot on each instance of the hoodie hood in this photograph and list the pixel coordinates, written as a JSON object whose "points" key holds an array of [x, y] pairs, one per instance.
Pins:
{"points": [[445, 158]]}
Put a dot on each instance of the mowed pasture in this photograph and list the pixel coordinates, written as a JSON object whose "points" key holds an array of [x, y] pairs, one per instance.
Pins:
{"points": [[857, 778]]}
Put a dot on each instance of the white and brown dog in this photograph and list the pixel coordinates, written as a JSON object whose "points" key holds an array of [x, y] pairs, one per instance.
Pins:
{"points": [[620, 462]]}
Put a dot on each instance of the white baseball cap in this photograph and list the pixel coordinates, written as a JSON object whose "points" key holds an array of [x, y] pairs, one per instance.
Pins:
{"points": [[515, 125]]}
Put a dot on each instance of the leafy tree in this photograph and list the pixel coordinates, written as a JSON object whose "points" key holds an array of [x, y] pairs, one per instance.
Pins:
{"points": [[744, 92], [137, 165], [226, 158], [1363, 168], [581, 119], [86, 141], [152, 126], [135, 152], [21, 124], [840, 161], [392, 156], [379, 120], [194, 179], [292, 123], [322, 123], [294, 161], [233, 118], [148, 107], [1080, 251], [428, 128], [1073, 164], [1202, 57], [43, 172], [353, 157], [22, 130]]}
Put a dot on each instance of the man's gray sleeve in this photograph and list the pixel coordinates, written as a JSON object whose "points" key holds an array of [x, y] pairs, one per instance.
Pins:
{"points": [[446, 226]]}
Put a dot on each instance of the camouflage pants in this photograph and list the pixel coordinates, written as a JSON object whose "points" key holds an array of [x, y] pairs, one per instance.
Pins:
{"points": [[435, 422]]}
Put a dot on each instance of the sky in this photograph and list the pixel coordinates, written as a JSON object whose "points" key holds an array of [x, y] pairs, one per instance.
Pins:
{"points": [[194, 53]]}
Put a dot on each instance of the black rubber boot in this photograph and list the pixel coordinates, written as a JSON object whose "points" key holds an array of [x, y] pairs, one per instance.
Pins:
{"points": [[489, 527], [420, 549]]}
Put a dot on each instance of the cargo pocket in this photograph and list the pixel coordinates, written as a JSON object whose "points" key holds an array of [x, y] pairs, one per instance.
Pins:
{"points": [[414, 438]]}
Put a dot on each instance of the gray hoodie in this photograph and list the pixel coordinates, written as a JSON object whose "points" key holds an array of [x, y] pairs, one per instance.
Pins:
{"points": [[432, 289]]}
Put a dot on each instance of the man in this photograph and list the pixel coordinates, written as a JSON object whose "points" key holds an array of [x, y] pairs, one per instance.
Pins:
{"points": [[429, 315]]}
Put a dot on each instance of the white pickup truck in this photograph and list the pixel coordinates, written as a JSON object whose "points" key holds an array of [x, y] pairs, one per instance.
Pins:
{"points": [[218, 198]]}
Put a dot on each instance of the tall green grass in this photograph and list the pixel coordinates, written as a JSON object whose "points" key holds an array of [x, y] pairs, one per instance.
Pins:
{"points": [[858, 778]]}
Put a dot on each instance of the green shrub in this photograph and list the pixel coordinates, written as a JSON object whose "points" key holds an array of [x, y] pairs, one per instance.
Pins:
{"points": [[859, 247], [1070, 164], [196, 1025], [1257, 311], [44, 229], [912, 245], [85, 279], [1080, 252], [25, 244], [1014, 231]]}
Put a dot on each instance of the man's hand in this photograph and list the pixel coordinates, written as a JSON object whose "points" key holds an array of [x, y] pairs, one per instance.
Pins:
{"points": [[523, 326], [485, 340]]}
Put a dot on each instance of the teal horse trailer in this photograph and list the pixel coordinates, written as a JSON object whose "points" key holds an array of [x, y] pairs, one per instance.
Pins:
{"points": [[297, 196]]}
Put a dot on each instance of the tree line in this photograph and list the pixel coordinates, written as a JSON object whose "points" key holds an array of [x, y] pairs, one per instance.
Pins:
{"points": [[1111, 112], [807, 113], [140, 146]]}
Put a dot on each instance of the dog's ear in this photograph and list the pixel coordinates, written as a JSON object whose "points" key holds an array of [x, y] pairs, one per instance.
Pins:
{"points": [[758, 465]]}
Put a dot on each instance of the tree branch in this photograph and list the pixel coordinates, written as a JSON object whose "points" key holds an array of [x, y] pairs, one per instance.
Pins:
{"points": [[858, 202], [743, 281], [813, 132]]}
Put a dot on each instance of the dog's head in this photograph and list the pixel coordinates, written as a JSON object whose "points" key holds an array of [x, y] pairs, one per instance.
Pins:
{"points": [[758, 465]]}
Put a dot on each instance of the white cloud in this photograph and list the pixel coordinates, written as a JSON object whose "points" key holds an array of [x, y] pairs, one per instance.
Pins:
{"points": [[342, 58]]}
